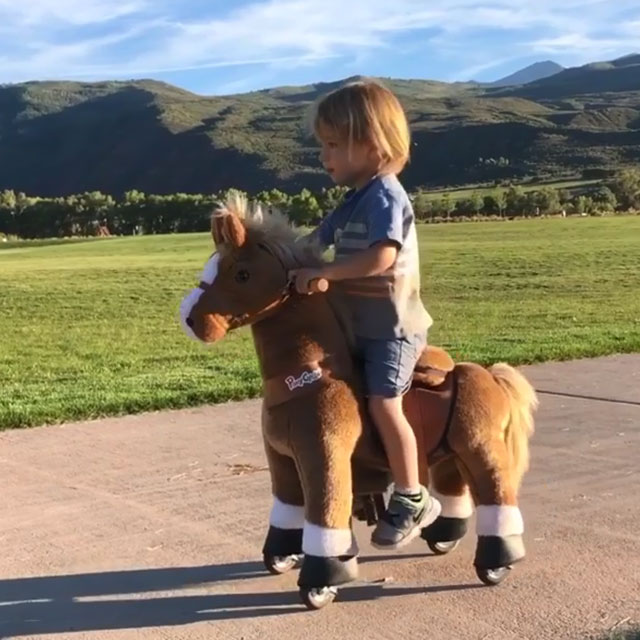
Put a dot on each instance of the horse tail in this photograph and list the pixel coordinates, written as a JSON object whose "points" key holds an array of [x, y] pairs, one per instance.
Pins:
{"points": [[519, 426]]}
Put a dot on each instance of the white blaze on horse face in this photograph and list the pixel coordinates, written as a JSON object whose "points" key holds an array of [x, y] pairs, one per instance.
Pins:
{"points": [[498, 520], [209, 274], [455, 506], [210, 271], [186, 306]]}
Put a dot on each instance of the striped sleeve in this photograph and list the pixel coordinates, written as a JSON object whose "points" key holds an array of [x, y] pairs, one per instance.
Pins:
{"points": [[385, 217]]}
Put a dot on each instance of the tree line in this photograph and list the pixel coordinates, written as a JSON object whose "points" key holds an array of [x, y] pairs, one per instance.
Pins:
{"points": [[95, 213]]}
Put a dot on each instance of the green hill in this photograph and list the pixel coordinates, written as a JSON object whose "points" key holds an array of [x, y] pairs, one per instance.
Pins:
{"points": [[58, 138]]}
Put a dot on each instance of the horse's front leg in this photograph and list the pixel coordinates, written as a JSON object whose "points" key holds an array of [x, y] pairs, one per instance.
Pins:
{"points": [[323, 443], [283, 544]]}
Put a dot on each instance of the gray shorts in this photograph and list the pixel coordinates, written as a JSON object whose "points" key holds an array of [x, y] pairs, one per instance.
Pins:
{"points": [[388, 364]]}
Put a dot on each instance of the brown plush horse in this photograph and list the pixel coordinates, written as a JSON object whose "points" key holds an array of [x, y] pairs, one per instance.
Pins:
{"points": [[325, 458]]}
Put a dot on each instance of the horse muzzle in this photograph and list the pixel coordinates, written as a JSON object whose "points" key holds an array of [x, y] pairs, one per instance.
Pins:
{"points": [[202, 326]]}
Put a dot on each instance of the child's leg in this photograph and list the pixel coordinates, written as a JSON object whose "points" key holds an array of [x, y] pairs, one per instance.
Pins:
{"points": [[388, 368], [399, 441]]}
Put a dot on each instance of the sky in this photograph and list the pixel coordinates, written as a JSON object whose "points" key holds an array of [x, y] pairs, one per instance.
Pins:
{"points": [[215, 47]]}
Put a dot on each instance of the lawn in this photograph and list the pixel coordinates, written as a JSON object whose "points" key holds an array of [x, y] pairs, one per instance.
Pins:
{"points": [[467, 192], [90, 328]]}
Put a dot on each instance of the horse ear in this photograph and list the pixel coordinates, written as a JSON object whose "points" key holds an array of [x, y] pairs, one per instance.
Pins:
{"points": [[258, 215], [217, 225], [233, 231]]}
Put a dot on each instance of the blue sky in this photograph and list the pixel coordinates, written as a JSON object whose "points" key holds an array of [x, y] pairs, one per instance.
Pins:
{"points": [[228, 46]]}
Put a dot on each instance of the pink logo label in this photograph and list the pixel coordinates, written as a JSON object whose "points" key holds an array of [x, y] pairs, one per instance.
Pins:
{"points": [[308, 377]]}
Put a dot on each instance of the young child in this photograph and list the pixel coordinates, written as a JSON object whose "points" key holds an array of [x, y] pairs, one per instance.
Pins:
{"points": [[365, 143]]}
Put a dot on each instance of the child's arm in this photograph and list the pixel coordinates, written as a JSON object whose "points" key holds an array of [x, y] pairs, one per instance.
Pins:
{"points": [[385, 239], [369, 262]]}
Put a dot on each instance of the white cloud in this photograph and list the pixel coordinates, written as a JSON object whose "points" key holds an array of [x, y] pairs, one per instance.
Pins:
{"points": [[74, 12], [578, 43], [48, 38], [69, 59]]}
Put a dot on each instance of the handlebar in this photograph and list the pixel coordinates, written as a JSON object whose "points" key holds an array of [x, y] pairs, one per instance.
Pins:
{"points": [[318, 285]]}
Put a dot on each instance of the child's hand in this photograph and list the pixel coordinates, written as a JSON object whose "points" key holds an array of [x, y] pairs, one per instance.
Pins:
{"points": [[302, 278]]}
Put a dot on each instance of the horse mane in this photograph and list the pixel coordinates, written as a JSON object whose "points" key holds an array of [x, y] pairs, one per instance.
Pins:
{"points": [[273, 228]]}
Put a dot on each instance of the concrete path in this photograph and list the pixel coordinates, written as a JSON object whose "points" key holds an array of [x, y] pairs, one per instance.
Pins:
{"points": [[151, 527]]}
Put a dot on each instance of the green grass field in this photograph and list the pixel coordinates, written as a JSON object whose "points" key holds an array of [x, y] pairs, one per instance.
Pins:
{"points": [[90, 328], [467, 192]]}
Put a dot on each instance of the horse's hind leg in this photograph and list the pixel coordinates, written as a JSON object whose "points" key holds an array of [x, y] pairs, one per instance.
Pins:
{"points": [[450, 488], [477, 437], [499, 524], [284, 539]]}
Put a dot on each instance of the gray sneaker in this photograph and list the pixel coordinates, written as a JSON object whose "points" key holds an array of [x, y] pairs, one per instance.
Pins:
{"points": [[403, 520]]}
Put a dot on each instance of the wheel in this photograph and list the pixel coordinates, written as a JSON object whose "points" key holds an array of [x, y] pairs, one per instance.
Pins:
{"points": [[277, 565], [317, 597], [442, 548], [492, 577]]}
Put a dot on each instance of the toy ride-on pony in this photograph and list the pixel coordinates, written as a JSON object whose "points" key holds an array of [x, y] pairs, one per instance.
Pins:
{"points": [[326, 459]]}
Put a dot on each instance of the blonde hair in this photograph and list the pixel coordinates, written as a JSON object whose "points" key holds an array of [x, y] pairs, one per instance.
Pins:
{"points": [[367, 113]]}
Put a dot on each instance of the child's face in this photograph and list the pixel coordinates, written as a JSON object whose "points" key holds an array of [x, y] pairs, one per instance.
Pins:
{"points": [[347, 166]]}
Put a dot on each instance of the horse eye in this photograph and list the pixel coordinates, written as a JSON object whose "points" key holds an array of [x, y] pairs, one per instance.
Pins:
{"points": [[242, 276]]}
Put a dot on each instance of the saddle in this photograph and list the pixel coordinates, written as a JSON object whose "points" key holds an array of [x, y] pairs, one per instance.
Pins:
{"points": [[428, 403]]}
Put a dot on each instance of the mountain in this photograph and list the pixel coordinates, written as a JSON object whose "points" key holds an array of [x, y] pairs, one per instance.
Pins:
{"points": [[620, 75], [536, 71], [58, 138]]}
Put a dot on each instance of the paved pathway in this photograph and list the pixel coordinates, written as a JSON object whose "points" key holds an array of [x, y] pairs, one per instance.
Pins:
{"points": [[151, 527]]}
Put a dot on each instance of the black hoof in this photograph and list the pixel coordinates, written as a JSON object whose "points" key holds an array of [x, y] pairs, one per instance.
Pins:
{"points": [[445, 530], [494, 552], [282, 543], [318, 572]]}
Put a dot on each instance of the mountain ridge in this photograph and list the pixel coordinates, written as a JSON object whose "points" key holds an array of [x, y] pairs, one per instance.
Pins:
{"points": [[531, 73], [58, 138]]}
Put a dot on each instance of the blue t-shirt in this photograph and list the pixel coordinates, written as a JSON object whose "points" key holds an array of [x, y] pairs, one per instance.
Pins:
{"points": [[387, 305]]}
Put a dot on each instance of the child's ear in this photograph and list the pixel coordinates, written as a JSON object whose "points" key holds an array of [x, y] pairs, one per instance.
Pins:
{"points": [[375, 155]]}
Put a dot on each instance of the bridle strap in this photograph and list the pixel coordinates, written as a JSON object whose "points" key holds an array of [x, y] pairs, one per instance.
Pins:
{"points": [[285, 294], [233, 322]]}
